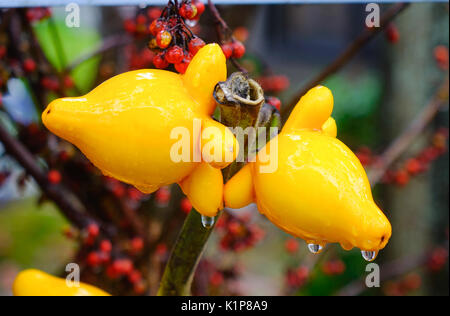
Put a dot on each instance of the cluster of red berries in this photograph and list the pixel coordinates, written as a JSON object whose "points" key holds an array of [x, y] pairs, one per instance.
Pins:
{"points": [[173, 41], [121, 190], [412, 166], [139, 59], [233, 49], [38, 14], [404, 286], [274, 83], [297, 277], [101, 256], [216, 280], [333, 267], [238, 234], [438, 258]]}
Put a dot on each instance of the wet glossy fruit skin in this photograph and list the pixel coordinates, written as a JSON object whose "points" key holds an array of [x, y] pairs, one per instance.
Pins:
{"points": [[125, 125], [37, 283], [320, 191]]}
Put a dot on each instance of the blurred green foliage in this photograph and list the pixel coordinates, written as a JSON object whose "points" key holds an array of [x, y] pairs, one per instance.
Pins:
{"points": [[356, 99], [31, 237], [75, 43]]}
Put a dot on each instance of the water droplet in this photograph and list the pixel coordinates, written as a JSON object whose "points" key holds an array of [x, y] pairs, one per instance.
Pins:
{"points": [[369, 255], [191, 23], [315, 248], [207, 221]]}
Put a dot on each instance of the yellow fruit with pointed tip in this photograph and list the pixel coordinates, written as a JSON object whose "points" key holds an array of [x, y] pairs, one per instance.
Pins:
{"points": [[37, 283], [148, 128], [319, 190]]}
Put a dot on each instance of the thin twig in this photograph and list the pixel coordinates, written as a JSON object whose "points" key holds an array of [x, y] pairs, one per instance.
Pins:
{"points": [[404, 140], [366, 35], [108, 44], [389, 271], [68, 203], [221, 26]]}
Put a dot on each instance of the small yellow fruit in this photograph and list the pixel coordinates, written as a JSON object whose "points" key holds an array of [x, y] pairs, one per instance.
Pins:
{"points": [[128, 126], [320, 191], [37, 283]]}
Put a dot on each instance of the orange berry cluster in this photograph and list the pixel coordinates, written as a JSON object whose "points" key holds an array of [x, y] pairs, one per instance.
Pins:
{"points": [[172, 40]]}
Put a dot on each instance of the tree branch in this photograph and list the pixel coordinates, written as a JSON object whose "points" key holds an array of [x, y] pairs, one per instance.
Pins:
{"points": [[365, 36], [404, 140], [68, 203]]}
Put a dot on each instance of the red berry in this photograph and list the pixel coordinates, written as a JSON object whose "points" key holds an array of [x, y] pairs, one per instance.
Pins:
{"points": [[137, 244], [112, 272], [188, 11], [139, 288], [129, 26], [29, 65], [413, 166], [141, 19], [68, 82], [174, 55], [241, 34], [441, 56], [392, 33], [401, 177], [227, 50], [93, 230], [123, 266], [163, 39], [160, 62], [105, 246], [157, 26], [161, 249], [134, 277], [162, 196], [275, 102], [195, 45], [216, 278], [292, 245], [153, 13], [185, 205], [134, 194], [54, 177], [181, 67], [200, 7], [238, 49], [93, 259]]}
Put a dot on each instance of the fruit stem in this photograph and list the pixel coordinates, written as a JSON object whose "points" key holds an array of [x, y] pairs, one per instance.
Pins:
{"points": [[240, 100]]}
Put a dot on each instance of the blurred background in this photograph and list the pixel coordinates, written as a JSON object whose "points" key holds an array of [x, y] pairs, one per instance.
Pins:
{"points": [[378, 94]]}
